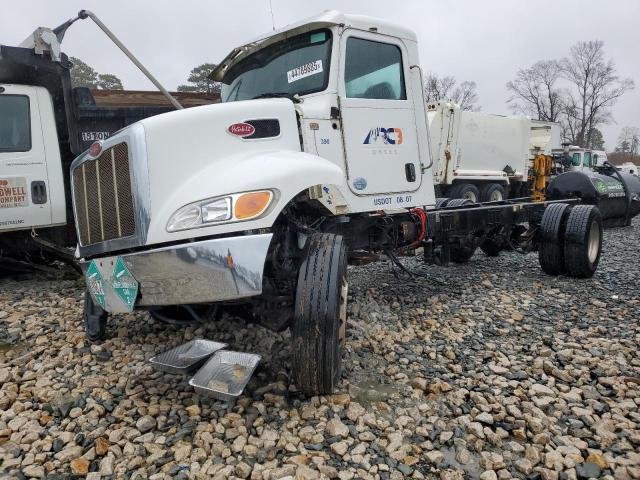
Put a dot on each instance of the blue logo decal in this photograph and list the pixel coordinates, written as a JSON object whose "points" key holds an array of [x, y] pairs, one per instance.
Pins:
{"points": [[359, 183], [384, 136]]}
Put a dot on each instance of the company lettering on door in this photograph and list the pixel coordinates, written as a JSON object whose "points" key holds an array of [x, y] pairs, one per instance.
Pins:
{"points": [[13, 192]]}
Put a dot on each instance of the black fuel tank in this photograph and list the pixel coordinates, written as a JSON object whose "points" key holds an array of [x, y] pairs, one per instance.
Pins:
{"points": [[603, 190]]}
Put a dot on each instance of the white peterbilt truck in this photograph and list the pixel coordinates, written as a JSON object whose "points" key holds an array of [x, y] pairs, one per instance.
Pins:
{"points": [[319, 154]]}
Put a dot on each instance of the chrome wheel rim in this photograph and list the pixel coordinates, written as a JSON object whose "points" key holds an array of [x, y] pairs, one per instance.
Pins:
{"points": [[496, 196], [470, 196], [594, 242]]}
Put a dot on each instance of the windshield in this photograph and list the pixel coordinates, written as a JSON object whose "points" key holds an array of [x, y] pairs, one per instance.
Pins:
{"points": [[575, 160], [297, 65]]}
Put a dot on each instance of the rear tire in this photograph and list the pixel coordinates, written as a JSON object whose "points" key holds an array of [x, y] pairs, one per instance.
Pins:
{"points": [[583, 241], [95, 319], [320, 317], [552, 226], [492, 192], [465, 191]]}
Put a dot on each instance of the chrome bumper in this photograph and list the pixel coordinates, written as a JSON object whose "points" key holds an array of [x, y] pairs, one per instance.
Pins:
{"points": [[198, 272]]}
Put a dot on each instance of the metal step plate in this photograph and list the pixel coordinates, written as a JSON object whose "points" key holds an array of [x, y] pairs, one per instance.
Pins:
{"points": [[186, 357], [225, 375]]}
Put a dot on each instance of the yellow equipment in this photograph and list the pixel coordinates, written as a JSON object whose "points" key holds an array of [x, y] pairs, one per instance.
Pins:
{"points": [[540, 176]]}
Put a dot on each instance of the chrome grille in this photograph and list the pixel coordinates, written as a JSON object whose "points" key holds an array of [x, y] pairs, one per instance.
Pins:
{"points": [[102, 197]]}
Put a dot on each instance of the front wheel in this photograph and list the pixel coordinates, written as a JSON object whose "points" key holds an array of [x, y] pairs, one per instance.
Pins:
{"points": [[95, 319], [320, 317]]}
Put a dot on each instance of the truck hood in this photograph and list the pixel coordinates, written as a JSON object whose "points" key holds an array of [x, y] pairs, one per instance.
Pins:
{"points": [[198, 146]]}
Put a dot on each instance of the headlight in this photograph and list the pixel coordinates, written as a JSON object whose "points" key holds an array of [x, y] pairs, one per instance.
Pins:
{"points": [[240, 206]]}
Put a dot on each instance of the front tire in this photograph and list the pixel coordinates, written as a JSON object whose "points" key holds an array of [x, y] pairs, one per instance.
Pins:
{"points": [[95, 319], [319, 324]]}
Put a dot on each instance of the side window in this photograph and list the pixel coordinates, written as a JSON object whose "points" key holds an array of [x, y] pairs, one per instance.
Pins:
{"points": [[15, 124], [587, 159], [575, 160], [373, 70]]}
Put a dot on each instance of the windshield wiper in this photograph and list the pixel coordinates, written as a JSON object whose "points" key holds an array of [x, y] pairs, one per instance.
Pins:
{"points": [[290, 96]]}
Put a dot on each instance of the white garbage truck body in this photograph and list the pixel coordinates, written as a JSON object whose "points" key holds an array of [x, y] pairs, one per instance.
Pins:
{"points": [[478, 156]]}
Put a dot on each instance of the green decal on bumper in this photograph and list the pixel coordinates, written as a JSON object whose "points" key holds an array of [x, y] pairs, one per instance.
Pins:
{"points": [[94, 283], [123, 283]]}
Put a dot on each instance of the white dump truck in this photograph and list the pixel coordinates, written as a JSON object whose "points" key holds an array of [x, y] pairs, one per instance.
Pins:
{"points": [[317, 155], [44, 124]]}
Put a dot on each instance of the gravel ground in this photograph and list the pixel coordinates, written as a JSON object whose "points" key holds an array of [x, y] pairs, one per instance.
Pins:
{"points": [[489, 370]]}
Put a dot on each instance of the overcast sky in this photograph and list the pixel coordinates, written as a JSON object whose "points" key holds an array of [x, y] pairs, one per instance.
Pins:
{"points": [[484, 41]]}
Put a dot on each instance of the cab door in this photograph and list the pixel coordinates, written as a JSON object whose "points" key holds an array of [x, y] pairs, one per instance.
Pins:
{"points": [[378, 117], [24, 192]]}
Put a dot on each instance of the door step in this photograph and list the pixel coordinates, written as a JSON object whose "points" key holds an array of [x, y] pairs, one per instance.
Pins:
{"points": [[224, 375]]}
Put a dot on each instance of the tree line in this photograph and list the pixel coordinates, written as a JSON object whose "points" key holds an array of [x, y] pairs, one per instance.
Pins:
{"points": [[578, 91]]}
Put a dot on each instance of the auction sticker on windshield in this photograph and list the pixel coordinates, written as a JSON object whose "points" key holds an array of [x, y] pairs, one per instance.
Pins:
{"points": [[305, 70]]}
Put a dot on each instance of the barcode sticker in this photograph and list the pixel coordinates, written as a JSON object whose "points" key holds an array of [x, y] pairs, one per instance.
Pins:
{"points": [[305, 70]]}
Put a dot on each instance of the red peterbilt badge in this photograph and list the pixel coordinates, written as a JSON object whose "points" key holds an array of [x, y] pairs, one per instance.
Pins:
{"points": [[241, 129]]}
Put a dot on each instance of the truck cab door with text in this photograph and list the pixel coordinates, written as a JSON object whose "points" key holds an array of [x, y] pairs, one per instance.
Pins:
{"points": [[378, 119], [24, 189]]}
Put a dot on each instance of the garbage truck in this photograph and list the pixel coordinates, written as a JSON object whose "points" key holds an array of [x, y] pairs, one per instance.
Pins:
{"points": [[485, 157], [317, 156]]}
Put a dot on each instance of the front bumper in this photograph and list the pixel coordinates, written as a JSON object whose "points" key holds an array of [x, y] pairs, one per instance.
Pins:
{"points": [[199, 272]]}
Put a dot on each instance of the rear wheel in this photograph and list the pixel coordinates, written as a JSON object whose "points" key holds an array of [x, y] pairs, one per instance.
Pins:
{"points": [[492, 192], [552, 226], [465, 191], [583, 241], [95, 319], [320, 318]]}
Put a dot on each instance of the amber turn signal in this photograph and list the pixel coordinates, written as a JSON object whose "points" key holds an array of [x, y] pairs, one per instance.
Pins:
{"points": [[252, 204]]}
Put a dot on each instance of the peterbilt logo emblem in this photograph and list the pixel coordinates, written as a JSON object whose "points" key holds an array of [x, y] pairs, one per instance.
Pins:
{"points": [[241, 129]]}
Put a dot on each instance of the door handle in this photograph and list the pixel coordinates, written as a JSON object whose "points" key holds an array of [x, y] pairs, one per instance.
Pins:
{"points": [[410, 172], [38, 192]]}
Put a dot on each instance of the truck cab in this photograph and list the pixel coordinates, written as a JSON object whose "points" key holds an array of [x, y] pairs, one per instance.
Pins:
{"points": [[31, 179], [318, 153]]}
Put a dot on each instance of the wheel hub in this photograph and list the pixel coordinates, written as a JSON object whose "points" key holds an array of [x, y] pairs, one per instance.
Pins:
{"points": [[594, 242]]}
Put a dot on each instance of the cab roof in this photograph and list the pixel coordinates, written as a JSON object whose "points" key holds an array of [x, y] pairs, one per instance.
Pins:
{"points": [[326, 19]]}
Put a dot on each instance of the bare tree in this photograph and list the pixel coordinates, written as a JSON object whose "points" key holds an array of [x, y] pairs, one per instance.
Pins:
{"points": [[629, 141], [438, 88], [535, 92], [596, 88]]}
